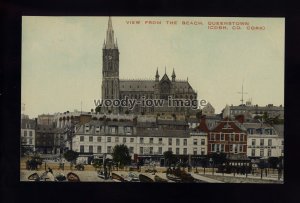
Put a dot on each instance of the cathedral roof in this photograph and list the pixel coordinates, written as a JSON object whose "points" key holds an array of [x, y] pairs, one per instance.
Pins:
{"points": [[137, 85], [149, 85]]}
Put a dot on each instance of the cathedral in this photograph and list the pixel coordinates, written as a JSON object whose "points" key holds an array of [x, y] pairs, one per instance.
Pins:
{"points": [[159, 88]]}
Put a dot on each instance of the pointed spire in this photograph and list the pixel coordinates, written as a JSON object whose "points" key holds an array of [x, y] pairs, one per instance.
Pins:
{"points": [[109, 24], [173, 75], [110, 35], [165, 69], [116, 43], [157, 75], [104, 44]]}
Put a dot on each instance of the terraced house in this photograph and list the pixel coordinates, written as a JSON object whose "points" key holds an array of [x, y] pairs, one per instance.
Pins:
{"points": [[146, 137]]}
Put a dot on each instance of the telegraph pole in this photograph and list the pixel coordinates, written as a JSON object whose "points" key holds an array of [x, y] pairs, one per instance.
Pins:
{"points": [[242, 93]]}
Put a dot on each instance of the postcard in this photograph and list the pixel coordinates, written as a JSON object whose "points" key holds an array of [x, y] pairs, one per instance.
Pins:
{"points": [[152, 99]]}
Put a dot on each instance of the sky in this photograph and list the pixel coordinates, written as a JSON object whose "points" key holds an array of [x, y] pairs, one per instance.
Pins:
{"points": [[62, 58]]}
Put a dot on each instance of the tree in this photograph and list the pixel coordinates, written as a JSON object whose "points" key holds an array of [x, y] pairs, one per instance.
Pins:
{"points": [[98, 109], [121, 155], [218, 158], [71, 157], [199, 114], [169, 157]]}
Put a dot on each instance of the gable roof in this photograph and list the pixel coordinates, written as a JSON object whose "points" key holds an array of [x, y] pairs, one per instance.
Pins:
{"points": [[228, 126]]}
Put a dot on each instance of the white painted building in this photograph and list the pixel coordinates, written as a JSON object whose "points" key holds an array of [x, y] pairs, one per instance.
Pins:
{"points": [[145, 139], [263, 141], [28, 134]]}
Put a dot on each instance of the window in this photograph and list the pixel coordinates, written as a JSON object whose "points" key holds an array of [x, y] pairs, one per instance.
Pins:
{"points": [[113, 130], [202, 151], [241, 148], [217, 147], [235, 147], [185, 142], [108, 139], [97, 129], [81, 138], [132, 139], [253, 142], [25, 133], [195, 141], [141, 140], [160, 140], [141, 150], [30, 141], [202, 141], [231, 137], [262, 142], [230, 148], [177, 150], [131, 150], [159, 150], [238, 137], [222, 148], [127, 130], [170, 149], [170, 141], [151, 140], [269, 142], [213, 137], [116, 139], [90, 138], [195, 151], [261, 152], [250, 131], [109, 149], [124, 139], [81, 149], [30, 133], [269, 153], [98, 139], [253, 152], [222, 137], [151, 150], [213, 147], [90, 149], [99, 149], [184, 150], [177, 142], [282, 142]]}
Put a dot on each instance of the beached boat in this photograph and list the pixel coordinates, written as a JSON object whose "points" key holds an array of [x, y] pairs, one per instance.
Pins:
{"points": [[132, 177], [144, 178], [101, 175], [60, 177], [117, 178], [159, 179], [34, 177], [73, 177], [173, 177], [47, 176]]}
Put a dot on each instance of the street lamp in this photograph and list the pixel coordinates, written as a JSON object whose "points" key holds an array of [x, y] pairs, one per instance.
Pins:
{"points": [[211, 161]]}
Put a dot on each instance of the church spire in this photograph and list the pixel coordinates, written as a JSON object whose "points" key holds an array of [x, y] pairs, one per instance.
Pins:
{"points": [[173, 76], [157, 75], [110, 42]]}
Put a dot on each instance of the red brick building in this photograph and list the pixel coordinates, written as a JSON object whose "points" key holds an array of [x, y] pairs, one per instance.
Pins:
{"points": [[228, 137]]}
